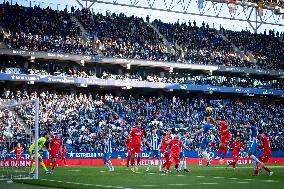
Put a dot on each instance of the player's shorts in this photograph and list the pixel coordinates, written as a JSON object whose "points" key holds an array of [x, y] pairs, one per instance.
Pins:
{"points": [[129, 152], [33, 156], [18, 156], [165, 153], [136, 149], [204, 143], [53, 155], [265, 157], [225, 139], [155, 153], [174, 158], [253, 146], [235, 157], [182, 154], [106, 156]]}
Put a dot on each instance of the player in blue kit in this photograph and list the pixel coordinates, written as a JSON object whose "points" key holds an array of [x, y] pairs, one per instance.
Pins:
{"points": [[253, 143], [206, 128], [108, 151], [154, 142], [186, 140]]}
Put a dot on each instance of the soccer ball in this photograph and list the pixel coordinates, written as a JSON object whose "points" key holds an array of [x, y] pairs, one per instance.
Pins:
{"points": [[209, 109]]}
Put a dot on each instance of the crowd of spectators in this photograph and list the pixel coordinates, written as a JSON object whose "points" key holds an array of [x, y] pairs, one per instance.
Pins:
{"points": [[213, 80], [42, 30], [117, 35], [83, 119]]}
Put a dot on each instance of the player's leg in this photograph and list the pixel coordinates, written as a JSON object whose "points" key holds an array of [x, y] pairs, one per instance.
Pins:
{"points": [[184, 165], [234, 162], [128, 159], [181, 163], [206, 156], [53, 163], [264, 158], [220, 149], [132, 160], [151, 155], [166, 155], [225, 145], [42, 165]]}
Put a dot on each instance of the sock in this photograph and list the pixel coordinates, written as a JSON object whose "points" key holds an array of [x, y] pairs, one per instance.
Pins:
{"points": [[254, 163], [110, 164], [180, 165], [132, 161], [219, 151], [234, 165], [138, 161], [164, 164], [33, 167], [267, 169], [159, 164], [168, 165], [176, 166], [184, 164], [53, 165], [43, 165], [128, 159], [252, 157], [149, 163], [225, 152]]}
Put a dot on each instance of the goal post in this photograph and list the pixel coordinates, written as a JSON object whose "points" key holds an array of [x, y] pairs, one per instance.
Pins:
{"points": [[8, 170]]}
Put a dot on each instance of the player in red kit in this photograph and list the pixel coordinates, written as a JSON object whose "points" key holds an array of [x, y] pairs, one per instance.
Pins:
{"points": [[129, 149], [18, 150], [136, 144], [63, 155], [237, 146], [164, 147], [225, 137], [265, 156], [175, 148], [55, 146]]}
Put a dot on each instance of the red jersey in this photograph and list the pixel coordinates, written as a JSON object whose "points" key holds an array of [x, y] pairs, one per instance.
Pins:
{"points": [[265, 144], [19, 150], [237, 147], [165, 142], [175, 146], [223, 127], [55, 144], [128, 143], [136, 135], [63, 154]]}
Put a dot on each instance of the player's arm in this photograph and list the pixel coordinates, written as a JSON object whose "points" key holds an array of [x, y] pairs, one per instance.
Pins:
{"points": [[246, 126], [197, 132]]}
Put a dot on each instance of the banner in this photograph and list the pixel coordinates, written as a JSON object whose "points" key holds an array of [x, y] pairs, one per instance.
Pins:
{"points": [[106, 60], [136, 84], [122, 162], [144, 154]]}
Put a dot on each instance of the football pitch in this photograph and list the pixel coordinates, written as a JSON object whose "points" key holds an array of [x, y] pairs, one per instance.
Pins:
{"points": [[215, 176]]}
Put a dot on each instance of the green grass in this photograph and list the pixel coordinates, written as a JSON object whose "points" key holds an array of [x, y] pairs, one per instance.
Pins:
{"points": [[199, 177]]}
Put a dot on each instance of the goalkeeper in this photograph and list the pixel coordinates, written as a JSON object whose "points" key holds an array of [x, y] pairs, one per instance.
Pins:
{"points": [[41, 142]]}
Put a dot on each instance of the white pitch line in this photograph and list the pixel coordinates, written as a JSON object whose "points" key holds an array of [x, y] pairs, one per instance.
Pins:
{"points": [[242, 182], [218, 177], [148, 185], [200, 176], [163, 174], [233, 178], [180, 175], [178, 184], [249, 179], [75, 170], [151, 173], [209, 183], [271, 181]]}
